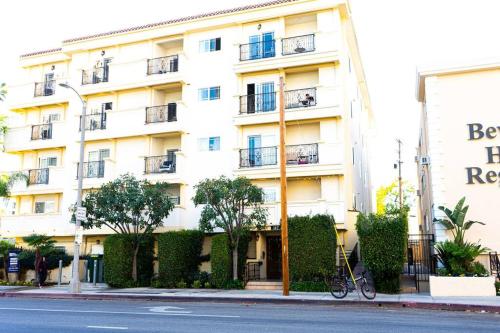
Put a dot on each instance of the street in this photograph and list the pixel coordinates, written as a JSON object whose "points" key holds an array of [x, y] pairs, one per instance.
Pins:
{"points": [[37, 315]]}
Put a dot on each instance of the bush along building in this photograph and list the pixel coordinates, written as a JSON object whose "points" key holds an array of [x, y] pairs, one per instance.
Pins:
{"points": [[194, 98]]}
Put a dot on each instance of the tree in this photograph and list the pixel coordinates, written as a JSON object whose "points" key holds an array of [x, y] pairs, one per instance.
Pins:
{"points": [[128, 206], [5, 246], [233, 205], [388, 197], [455, 221], [7, 181], [43, 243]]}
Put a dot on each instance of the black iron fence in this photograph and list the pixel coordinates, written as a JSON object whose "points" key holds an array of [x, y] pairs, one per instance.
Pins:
{"points": [[297, 44], [161, 113], [163, 65], [258, 157], [421, 261], [495, 264], [160, 164], [38, 176], [94, 121], [46, 88], [93, 169], [252, 271], [41, 132], [302, 154], [95, 75], [300, 98], [258, 50], [258, 103]]}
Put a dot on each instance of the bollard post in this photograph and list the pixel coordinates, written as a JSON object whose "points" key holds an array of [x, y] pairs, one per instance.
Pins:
{"points": [[59, 276], [95, 272]]}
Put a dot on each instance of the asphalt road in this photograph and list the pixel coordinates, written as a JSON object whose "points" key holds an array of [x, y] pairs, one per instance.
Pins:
{"points": [[68, 316]]}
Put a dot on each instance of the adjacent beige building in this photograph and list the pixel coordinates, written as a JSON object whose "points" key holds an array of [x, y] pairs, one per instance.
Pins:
{"points": [[459, 146], [197, 97]]}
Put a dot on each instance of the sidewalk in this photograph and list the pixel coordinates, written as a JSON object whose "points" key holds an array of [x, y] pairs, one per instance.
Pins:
{"points": [[102, 292]]}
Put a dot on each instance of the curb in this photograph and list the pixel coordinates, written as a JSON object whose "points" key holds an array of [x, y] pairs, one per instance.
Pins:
{"points": [[255, 300]]}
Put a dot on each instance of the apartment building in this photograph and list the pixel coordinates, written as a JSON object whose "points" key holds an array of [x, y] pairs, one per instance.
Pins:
{"points": [[459, 147], [197, 97]]}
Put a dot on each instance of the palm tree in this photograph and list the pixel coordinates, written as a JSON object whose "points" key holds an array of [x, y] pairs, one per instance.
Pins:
{"points": [[7, 181], [455, 221]]}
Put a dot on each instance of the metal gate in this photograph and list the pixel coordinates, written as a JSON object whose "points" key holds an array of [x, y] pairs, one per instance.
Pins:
{"points": [[421, 260]]}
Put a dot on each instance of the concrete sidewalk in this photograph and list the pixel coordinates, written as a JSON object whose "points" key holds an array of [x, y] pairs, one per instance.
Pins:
{"points": [[102, 292]]}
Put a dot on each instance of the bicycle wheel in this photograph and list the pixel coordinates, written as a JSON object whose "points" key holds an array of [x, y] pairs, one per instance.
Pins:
{"points": [[338, 288], [368, 290]]}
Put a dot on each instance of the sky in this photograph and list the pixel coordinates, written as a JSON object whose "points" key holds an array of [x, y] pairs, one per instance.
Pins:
{"points": [[394, 37]]}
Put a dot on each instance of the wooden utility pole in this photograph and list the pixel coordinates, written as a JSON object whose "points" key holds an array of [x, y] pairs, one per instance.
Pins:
{"points": [[400, 179], [284, 212]]}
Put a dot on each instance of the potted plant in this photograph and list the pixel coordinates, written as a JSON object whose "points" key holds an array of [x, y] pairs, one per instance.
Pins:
{"points": [[460, 274]]}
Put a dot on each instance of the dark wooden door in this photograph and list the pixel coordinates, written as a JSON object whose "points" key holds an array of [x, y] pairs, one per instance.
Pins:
{"points": [[273, 257]]}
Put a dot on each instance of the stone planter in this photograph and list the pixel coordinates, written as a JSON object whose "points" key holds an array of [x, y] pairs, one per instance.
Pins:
{"points": [[462, 286]]}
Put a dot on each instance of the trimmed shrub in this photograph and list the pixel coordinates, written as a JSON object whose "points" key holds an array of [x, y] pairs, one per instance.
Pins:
{"points": [[27, 259], [221, 260], [312, 248], [179, 256], [383, 240], [118, 257]]}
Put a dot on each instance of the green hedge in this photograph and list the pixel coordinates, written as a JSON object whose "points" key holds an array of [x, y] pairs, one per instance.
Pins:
{"points": [[179, 256], [221, 260], [27, 259], [118, 257], [312, 248], [383, 240]]}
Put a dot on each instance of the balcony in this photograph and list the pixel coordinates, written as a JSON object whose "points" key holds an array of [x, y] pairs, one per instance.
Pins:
{"points": [[93, 169], [258, 50], [307, 207], [96, 121], [297, 44], [295, 155], [160, 164], [161, 113], [41, 132], [46, 88], [38, 176], [95, 75], [265, 102], [300, 98], [162, 65]]}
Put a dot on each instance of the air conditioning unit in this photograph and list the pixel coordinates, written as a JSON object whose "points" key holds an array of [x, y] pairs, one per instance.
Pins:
{"points": [[425, 160]]}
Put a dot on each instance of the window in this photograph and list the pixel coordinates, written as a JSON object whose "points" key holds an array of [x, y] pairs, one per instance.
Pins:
{"points": [[210, 45], [269, 194], [42, 207], [107, 106], [209, 144], [45, 162], [51, 117], [205, 94]]}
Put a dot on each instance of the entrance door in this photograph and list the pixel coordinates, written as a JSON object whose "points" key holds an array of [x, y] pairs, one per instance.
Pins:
{"points": [[254, 150], [273, 244]]}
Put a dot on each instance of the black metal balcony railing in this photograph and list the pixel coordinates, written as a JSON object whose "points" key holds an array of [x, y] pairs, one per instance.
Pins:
{"points": [[163, 65], [253, 157], [41, 132], [46, 88], [161, 113], [94, 121], [258, 50], [176, 200], [258, 103], [95, 75], [93, 169], [300, 98], [159, 164], [297, 44], [302, 154], [38, 176], [295, 154]]}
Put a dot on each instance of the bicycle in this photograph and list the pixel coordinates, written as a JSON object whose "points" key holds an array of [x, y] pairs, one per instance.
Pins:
{"points": [[341, 285]]}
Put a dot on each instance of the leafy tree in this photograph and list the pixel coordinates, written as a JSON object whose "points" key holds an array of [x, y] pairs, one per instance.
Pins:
{"points": [[5, 246], [388, 197], [233, 205], [128, 206], [455, 221]]}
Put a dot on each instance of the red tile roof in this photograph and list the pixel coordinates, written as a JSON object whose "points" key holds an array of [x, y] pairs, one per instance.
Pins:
{"points": [[181, 19], [40, 52]]}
